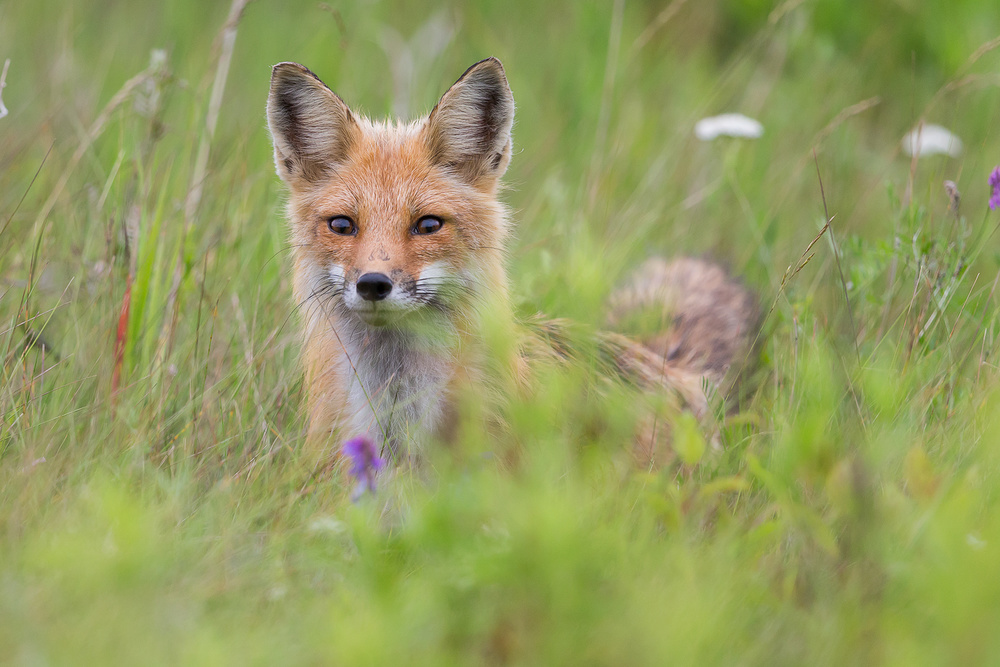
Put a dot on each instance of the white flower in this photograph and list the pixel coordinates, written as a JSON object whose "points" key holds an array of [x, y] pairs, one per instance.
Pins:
{"points": [[3, 83], [728, 125], [931, 140]]}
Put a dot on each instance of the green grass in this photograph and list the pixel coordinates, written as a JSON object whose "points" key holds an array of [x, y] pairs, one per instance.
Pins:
{"points": [[851, 513]]}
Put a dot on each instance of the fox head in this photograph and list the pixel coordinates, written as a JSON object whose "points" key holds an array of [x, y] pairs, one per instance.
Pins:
{"points": [[391, 220]]}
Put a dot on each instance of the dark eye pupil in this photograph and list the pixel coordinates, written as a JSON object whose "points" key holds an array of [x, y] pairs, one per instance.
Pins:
{"points": [[341, 225], [427, 225]]}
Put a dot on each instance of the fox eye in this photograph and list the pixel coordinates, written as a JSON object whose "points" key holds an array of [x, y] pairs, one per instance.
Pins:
{"points": [[342, 225], [427, 225]]}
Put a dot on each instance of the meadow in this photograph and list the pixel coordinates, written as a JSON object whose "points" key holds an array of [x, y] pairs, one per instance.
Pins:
{"points": [[158, 502]]}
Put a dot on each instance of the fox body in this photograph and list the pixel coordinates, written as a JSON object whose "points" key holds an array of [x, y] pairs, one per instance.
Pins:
{"points": [[399, 241]]}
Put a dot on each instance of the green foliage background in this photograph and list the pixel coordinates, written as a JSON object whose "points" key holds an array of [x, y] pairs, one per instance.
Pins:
{"points": [[848, 514]]}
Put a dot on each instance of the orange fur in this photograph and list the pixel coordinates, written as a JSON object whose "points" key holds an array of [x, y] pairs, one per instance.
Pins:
{"points": [[399, 261], [389, 368]]}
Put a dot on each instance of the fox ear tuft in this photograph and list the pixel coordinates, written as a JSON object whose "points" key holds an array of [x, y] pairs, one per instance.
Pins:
{"points": [[311, 127], [469, 129]]}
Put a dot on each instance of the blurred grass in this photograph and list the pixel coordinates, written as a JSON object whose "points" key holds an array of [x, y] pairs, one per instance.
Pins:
{"points": [[849, 515]]}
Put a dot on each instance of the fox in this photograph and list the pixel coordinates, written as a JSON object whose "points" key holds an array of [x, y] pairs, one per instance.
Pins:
{"points": [[399, 243]]}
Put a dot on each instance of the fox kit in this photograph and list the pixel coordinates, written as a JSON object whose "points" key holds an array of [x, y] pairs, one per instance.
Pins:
{"points": [[399, 244]]}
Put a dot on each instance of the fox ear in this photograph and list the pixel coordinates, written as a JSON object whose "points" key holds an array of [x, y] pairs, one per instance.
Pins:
{"points": [[311, 127], [469, 129]]}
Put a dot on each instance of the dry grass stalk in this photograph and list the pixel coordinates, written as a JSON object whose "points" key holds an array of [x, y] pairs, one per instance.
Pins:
{"points": [[96, 128], [227, 39]]}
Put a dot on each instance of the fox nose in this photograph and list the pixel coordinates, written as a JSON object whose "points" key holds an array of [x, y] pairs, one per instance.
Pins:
{"points": [[374, 286]]}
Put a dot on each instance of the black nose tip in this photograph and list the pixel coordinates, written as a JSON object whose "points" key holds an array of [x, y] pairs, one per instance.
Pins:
{"points": [[374, 286]]}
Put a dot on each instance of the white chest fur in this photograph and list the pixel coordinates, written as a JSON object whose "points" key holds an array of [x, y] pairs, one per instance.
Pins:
{"points": [[395, 385]]}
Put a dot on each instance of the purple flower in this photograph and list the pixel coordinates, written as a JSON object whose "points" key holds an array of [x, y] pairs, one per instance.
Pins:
{"points": [[995, 184], [365, 462]]}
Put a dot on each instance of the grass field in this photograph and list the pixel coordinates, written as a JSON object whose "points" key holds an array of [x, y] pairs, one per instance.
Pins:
{"points": [[158, 504]]}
